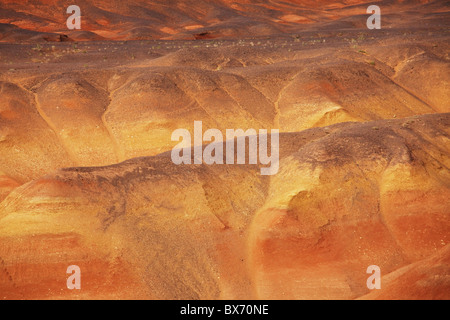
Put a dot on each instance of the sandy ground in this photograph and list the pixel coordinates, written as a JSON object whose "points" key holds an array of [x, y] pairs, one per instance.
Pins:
{"points": [[86, 176]]}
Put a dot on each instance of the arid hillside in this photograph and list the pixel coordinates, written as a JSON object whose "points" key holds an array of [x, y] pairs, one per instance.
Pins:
{"points": [[100, 103], [147, 228], [86, 176]]}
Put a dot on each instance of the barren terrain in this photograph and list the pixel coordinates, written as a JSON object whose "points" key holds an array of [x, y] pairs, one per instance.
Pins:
{"points": [[86, 176]]}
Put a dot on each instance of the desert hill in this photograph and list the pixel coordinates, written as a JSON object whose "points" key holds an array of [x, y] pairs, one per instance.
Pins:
{"points": [[225, 231], [94, 104]]}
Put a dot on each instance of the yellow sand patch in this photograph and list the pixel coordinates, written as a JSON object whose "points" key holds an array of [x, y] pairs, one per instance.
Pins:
{"points": [[193, 27], [295, 18], [168, 30]]}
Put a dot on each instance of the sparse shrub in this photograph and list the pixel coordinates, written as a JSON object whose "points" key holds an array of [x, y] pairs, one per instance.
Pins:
{"points": [[37, 48]]}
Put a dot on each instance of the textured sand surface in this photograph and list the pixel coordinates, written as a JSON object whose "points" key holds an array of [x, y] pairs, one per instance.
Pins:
{"points": [[227, 232], [86, 176], [201, 19]]}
